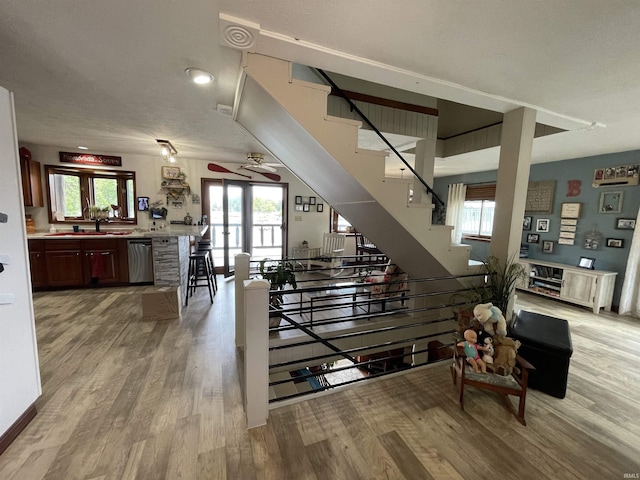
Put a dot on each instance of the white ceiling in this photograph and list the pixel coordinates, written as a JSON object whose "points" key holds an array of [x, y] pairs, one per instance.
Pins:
{"points": [[110, 75]]}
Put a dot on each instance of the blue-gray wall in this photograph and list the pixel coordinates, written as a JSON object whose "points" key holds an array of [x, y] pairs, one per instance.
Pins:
{"points": [[582, 169]]}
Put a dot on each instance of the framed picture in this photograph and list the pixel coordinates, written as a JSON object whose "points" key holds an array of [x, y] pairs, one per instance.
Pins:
{"points": [[567, 235], [526, 223], [177, 204], [542, 225], [610, 202], [143, 204], [615, 242], [547, 246], [320, 207], [312, 200], [533, 238], [170, 172], [571, 210], [568, 228], [305, 207], [568, 221], [298, 200], [586, 262], [566, 241], [625, 223], [298, 208]]}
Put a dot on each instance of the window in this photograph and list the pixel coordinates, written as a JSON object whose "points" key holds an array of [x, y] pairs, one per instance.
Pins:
{"points": [[477, 214], [339, 224], [72, 191]]}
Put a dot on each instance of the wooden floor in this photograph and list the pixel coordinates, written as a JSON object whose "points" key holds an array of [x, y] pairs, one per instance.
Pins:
{"points": [[123, 398]]}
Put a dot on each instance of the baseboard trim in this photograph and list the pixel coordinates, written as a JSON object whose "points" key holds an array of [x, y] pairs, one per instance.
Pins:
{"points": [[17, 427]]}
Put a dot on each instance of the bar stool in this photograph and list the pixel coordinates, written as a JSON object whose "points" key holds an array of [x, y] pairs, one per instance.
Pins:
{"points": [[205, 246], [199, 269]]}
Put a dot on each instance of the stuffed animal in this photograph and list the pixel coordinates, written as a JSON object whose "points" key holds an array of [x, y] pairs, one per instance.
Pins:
{"points": [[504, 358], [471, 349], [488, 315], [487, 357]]}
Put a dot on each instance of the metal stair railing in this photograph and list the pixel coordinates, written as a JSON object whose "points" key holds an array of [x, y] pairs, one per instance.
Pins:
{"points": [[354, 107]]}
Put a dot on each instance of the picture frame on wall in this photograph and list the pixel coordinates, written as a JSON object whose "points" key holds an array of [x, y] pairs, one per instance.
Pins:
{"points": [[542, 225], [625, 223], [312, 200], [568, 221], [526, 223], [143, 204], [298, 200], [547, 246], [533, 238], [320, 207], [615, 242], [170, 173], [306, 207], [610, 202], [566, 241], [298, 208]]}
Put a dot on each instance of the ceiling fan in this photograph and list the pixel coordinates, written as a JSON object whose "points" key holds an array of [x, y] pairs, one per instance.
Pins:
{"points": [[256, 160]]}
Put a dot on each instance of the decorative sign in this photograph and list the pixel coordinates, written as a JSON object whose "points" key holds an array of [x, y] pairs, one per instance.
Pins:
{"points": [[571, 210], [89, 159], [540, 196], [573, 188]]}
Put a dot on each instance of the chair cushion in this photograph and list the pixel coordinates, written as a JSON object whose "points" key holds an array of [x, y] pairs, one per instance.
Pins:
{"points": [[491, 378]]}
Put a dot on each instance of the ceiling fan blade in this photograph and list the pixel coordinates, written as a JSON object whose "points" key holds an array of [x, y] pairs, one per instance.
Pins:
{"points": [[271, 176], [220, 169]]}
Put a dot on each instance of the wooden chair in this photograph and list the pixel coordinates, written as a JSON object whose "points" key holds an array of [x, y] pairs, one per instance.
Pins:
{"points": [[364, 246], [515, 385], [328, 256]]}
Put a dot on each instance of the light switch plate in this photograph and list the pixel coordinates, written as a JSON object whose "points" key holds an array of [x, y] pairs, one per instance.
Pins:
{"points": [[6, 259], [7, 298]]}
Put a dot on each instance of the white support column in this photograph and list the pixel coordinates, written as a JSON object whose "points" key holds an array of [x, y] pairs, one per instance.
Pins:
{"points": [[513, 179], [256, 354], [241, 274]]}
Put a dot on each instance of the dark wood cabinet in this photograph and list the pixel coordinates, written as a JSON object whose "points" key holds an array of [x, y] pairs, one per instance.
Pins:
{"points": [[38, 263], [101, 259], [78, 263], [31, 182], [63, 263]]}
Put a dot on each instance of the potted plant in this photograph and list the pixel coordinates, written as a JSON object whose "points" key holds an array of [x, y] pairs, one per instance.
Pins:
{"points": [[500, 282], [279, 274]]}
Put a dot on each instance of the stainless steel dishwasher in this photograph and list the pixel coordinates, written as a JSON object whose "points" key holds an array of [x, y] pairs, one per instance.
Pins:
{"points": [[140, 261]]}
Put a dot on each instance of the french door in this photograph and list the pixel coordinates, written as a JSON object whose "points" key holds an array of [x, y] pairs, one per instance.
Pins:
{"points": [[244, 217]]}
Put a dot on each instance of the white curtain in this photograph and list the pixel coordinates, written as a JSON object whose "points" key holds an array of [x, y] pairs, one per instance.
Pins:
{"points": [[630, 298], [455, 204]]}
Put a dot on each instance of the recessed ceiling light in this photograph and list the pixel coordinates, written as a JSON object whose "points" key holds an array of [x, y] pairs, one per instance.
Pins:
{"points": [[199, 76], [82, 148]]}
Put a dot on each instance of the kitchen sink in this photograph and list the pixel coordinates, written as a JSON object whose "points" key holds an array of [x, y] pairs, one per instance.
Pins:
{"points": [[74, 234]]}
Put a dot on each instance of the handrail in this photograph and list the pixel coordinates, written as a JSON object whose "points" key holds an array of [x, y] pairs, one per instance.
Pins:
{"points": [[355, 108]]}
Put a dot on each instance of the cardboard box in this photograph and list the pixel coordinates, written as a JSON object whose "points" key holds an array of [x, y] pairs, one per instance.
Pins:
{"points": [[162, 304]]}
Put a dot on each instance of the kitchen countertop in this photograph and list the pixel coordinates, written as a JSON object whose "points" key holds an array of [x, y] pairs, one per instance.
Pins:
{"points": [[169, 231]]}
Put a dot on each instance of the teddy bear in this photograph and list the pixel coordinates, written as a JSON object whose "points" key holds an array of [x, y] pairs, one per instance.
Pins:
{"points": [[504, 358], [488, 315], [487, 357]]}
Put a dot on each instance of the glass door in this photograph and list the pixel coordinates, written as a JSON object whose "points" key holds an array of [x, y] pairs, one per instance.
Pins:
{"points": [[244, 217]]}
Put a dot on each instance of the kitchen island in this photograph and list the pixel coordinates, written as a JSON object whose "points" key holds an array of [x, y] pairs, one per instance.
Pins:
{"points": [[68, 259]]}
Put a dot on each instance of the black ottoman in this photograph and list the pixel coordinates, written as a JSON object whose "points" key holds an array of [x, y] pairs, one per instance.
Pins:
{"points": [[546, 344]]}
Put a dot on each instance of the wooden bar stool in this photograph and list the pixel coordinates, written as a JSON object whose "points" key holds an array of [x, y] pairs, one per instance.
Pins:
{"points": [[199, 270], [205, 246]]}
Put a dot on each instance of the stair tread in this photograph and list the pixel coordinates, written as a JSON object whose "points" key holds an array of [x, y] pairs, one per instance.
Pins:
{"points": [[317, 86], [345, 121]]}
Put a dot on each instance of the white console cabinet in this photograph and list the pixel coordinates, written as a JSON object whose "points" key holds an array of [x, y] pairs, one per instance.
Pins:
{"points": [[589, 288]]}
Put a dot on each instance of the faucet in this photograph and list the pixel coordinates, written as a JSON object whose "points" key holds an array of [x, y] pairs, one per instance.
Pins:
{"points": [[98, 220]]}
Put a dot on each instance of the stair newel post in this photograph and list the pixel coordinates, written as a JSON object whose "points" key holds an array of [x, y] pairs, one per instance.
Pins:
{"points": [[256, 353], [241, 274]]}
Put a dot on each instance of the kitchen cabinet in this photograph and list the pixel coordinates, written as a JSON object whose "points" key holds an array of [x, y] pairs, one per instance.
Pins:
{"points": [[78, 263], [38, 264], [63, 263], [589, 288], [101, 262], [31, 177]]}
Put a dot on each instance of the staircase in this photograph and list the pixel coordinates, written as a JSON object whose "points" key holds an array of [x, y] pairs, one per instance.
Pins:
{"points": [[289, 117]]}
